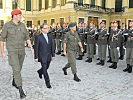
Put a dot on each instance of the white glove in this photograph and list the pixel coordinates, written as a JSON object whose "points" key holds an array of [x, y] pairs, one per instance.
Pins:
{"points": [[118, 48]]}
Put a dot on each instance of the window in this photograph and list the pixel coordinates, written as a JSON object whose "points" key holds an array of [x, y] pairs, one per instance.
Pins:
{"points": [[28, 5], [63, 2], [14, 5], [52, 21], [81, 20], [1, 4], [118, 5], [40, 5], [92, 2], [45, 21], [46, 4], [103, 4], [80, 2], [29, 23], [38, 22], [1, 24], [61, 21], [54, 2], [130, 3]]}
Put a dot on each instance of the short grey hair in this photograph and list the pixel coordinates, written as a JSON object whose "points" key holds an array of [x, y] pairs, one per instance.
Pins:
{"points": [[43, 25]]}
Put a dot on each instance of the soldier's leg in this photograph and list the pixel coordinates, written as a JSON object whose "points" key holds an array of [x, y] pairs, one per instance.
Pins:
{"points": [[58, 46], [100, 54], [104, 50], [122, 52], [80, 54], [95, 48], [131, 58], [88, 52], [128, 55], [91, 50], [21, 57], [112, 57], [14, 63]]}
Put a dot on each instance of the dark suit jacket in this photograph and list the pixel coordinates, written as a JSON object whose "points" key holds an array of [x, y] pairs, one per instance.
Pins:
{"points": [[43, 50]]}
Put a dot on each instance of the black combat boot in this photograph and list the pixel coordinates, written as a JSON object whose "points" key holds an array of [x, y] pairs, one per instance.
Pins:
{"points": [[125, 70], [80, 57], [87, 59], [98, 58], [48, 85], [102, 62], [58, 53], [115, 65], [64, 70], [39, 73], [109, 61], [121, 57], [90, 60], [99, 63], [130, 69], [14, 84], [112, 65], [22, 95], [76, 78], [62, 55]]}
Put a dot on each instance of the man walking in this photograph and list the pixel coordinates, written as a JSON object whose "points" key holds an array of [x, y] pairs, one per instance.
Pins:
{"points": [[71, 43], [44, 52], [14, 34]]}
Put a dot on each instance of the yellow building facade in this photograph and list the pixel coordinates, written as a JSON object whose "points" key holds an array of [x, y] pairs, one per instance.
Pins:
{"points": [[36, 12]]}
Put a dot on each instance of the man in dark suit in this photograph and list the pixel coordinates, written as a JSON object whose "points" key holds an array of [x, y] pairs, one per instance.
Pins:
{"points": [[44, 52]]}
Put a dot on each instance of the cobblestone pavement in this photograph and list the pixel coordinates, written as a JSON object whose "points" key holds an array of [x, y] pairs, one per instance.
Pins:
{"points": [[97, 82]]}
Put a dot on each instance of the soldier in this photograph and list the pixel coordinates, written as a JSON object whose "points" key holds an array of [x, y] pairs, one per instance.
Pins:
{"points": [[81, 36], [122, 50], [129, 48], [64, 31], [71, 42], [53, 32], [110, 31], [114, 42], [90, 42], [102, 43], [15, 34], [58, 39]]}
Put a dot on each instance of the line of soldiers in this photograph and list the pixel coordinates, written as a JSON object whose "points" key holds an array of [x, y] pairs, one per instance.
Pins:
{"points": [[115, 40]]}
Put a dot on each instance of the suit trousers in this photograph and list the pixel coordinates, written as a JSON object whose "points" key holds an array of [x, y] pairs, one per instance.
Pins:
{"points": [[44, 69]]}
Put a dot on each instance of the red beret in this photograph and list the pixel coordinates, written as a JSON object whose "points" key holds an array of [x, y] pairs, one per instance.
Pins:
{"points": [[16, 12]]}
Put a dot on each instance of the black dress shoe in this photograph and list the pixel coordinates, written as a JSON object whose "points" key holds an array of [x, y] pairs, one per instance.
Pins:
{"points": [[98, 58], [112, 65], [102, 62], [99, 63], [58, 53], [40, 75], [87, 60], [64, 70], [48, 85], [115, 65], [109, 61], [79, 58], [22, 95], [14, 84]]}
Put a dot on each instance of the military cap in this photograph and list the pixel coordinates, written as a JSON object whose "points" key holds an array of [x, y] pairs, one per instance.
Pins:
{"points": [[72, 24], [16, 12]]}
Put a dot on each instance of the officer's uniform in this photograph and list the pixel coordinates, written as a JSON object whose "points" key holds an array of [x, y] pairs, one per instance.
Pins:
{"points": [[129, 50], [15, 37], [58, 39], [53, 32], [114, 42], [102, 45], [90, 44], [82, 38]]}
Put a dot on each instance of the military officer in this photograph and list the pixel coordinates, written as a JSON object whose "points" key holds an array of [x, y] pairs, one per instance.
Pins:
{"points": [[114, 43], [91, 42], [102, 43], [129, 48], [64, 31], [14, 33], [53, 32], [71, 42], [122, 50], [58, 38], [81, 36]]}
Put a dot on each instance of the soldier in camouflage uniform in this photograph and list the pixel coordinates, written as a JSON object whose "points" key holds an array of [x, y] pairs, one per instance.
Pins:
{"points": [[14, 33], [71, 42], [129, 48]]}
